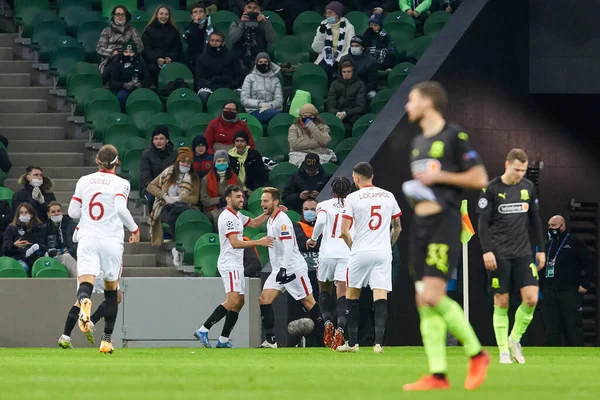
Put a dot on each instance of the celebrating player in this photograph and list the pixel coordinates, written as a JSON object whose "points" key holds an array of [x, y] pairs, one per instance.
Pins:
{"points": [[507, 208], [442, 164], [230, 264], [333, 260], [371, 210], [289, 269], [100, 204]]}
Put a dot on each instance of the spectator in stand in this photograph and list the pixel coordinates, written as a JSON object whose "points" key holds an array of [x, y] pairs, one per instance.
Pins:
{"points": [[195, 33], [332, 40], [418, 9], [288, 10], [379, 44], [114, 36], [57, 238], [366, 65], [221, 130], [128, 72], [22, 238], [250, 35], [176, 189], [5, 164], [37, 191], [305, 184], [309, 134], [262, 95], [155, 159], [247, 164], [162, 41], [449, 5], [378, 6], [216, 68], [212, 188], [203, 161], [347, 98]]}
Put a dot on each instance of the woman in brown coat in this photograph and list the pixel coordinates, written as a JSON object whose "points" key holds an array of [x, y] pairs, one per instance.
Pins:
{"points": [[309, 134]]}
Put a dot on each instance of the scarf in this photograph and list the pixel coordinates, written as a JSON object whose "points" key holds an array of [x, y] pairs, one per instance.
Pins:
{"points": [[213, 185], [242, 161], [130, 71], [330, 55]]}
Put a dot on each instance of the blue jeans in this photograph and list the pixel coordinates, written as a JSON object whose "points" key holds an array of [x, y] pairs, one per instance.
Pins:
{"points": [[122, 96], [26, 267], [265, 116]]}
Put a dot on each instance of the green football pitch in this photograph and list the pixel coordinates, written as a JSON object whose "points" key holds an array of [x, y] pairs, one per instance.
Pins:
{"points": [[295, 374]]}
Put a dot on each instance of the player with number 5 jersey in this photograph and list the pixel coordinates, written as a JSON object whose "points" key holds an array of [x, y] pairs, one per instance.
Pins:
{"points": [[100, 204]]}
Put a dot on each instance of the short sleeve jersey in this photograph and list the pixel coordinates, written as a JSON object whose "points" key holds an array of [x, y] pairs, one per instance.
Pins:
{"points": [[280, 228], [371, 210], [450, 151], [231, 223], [508, 208], [97, 193], [332, 244]]}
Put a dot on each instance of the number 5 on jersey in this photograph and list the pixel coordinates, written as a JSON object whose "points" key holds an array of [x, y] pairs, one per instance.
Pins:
{"points": [[375, 216]]}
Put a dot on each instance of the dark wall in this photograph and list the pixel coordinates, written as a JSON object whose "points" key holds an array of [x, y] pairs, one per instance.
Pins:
{"points": [[564, 46], [487, 80]]}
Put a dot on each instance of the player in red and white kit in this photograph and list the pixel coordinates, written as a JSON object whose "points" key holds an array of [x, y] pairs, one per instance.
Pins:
{"points": [[333, 260], [289, 269], [231, 264], [371, 210], [100, 205]]}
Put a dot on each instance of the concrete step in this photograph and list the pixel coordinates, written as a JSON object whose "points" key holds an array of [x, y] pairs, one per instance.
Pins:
{"points": [[39, 134], [6, 53], [23, 106], [46, 146], [33, 119], [60, 185], [139, 248], [156, 272], [15, 66], [7, 39], [30, 92], [12, 80], [54, 172], [47, 159], [139, 260]]}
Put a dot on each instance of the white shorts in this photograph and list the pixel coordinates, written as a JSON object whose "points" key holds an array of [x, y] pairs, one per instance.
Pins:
{"points": [[332, 269], [299, 288], [368, 268], [233, 280], [95, 256]]}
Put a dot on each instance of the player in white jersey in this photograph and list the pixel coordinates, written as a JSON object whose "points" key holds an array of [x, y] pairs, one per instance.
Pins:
{"points": [[100, 205], [333, 260], [289, 271], [371, 210], [231, 264]]}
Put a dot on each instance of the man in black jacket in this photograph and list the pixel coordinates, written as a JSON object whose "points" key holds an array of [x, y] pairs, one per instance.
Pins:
{"points": [[57, 238], [307, 183], [247, 164], [563, 284], [194, 33], [37, 191], [366, 65], [156, 158]]}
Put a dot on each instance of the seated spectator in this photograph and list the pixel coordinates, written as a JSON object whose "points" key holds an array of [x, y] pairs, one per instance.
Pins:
{"points": [[418, 9], [250, 35], [212, 188], [366, 65], [347, 98], [57, 238], [162, 41], [221, 130], [203, 161], [252, 265], [288, 10], [114, 36], [247, 164], [332, 39], [305, 184], [262, 95], [195, 34], [5, 164], [22, 237], [216, 68], [379, 44], [381, 7], [176, 189], [449, 5], [127, 73], [37, 191], [155, 159], [309, 134]]}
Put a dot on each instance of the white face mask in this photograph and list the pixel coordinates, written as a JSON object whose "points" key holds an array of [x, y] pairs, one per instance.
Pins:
{"points": [[37, 182], [25, 218], [356, 51], [57, 219], [184, 170]]}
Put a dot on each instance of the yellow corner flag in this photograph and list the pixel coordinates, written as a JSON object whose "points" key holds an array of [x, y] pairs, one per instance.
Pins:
{"points": [[467, 227]]}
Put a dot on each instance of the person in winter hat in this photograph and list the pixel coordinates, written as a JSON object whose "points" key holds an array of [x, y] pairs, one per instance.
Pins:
{"points": [[379, 44], [247, 164], [127, 73], [203, 161]]}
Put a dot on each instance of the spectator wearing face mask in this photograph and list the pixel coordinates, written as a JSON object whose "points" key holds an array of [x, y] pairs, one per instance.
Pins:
{"points": [[23, 236], [203, 161], [128, 72], [347, 98], [212, 188], [221, 130], [247, 164], [262, 95], [309, 134], [159, 155], [57, 238], [366, 65], [195, 33], [379, 44], [37, 191], [305, 184]]}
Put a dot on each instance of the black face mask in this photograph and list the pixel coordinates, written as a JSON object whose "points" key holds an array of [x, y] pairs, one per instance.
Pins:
{"points": [[262, 68], [127, 59], [553, 233], [214, 50]]}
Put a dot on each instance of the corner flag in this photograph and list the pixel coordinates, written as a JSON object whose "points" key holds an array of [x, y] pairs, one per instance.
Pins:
{"points": [[467, 228]]}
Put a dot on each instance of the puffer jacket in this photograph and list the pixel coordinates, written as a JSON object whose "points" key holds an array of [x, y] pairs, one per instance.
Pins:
{"points": [[367, 67], [155, 161], [113, 37], [312, 138], [25, 196], [160, 41], [348, 96], [262, 88]]}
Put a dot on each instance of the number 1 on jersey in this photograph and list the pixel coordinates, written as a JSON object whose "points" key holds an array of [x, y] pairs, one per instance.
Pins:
{"points": [[335, 224], [93, 205]]}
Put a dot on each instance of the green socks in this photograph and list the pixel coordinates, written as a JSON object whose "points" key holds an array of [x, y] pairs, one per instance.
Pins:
{"points": [[523, 318], [433, 332], [458, 325], [501, 328]]}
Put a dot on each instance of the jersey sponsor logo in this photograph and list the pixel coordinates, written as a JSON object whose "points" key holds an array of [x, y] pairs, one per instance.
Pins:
{"points": [[470, 155], [502, 195], [415, 152], [524, 194], [437, 149], [513, 208], [495, 283], [463, 136], [430, 165], [482, 203], [284, 230]]}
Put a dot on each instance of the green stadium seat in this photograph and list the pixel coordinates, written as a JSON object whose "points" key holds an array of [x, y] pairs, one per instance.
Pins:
{"points": [[313, 79], [249, 231], [294, 216], [66, 5], [359, 20], [48, 267], [88, 33], [130, 164], [43, 37], [198, 125], [330, 168], [398, 74], [263, 252], [192, 215], [6, 194], [401, 24], [181, 141], [163, 119], [417, 48], [108, 5], [362, 124], [150, 5], [81, 68], [344, 148], [135, 143], [291, 49], [142, 112], [142, 94], [221, 21], [72, 11], [381, 99], [186, 235], [254, 124], [280, 125], [214, 105], [284, 144], [109, 120], [277, 22], [118, 135], [184, 105], [80, 86], [306, 24], [284, 168], [206, 255], [435, 22], [139, 20], [181, 18], [100, 103], [10, 268], [26, 11], [61, 60], [337, 130], [172, 71]]}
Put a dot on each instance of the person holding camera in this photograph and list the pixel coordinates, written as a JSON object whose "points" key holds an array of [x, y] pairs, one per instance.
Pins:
{"points": [[251, 34]]}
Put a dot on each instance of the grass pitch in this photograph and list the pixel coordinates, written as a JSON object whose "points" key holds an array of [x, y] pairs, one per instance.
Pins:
{"points": [[283, 374]]}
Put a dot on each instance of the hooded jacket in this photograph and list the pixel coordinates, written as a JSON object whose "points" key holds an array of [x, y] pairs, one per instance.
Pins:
{"points": [[301, 181], [367, 68], [160, 41], [221, 131], [312, 138], [249, 41], [217, 68], [118, 77], [254, 166], [51, 240], [262, 88], [155, 161], [25, 196], [347, 95], [202, 163]]}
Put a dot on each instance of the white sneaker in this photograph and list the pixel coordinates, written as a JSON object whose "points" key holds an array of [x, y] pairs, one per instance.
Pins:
{"points": [[378, 349], [345, 348], [177, 257], [505, 358], [516, 351], [267, 345]]}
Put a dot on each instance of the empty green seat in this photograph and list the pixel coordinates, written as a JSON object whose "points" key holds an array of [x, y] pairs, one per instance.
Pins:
{"points": [[344, 148], [359, 20], [417, 48], [139, 19], [130, 164], [26, 11], [294, 216], [150, 5], [192, 215], [163, 119], [109, 120], [181, 141], [61, 60], [313, 79], [306, 24], [6, 194], [284, 168], [43, 37], [186, 236], [118, 135], [88, 33], [206, 255], [142, 94], [330, 168], [109, 5], [435, 22], [48, 267], [280, 124], [284, 144], [337, 131], [184, 105], [143, 111], [71, 10], [291, 49], [381, 99], [10, 268], [100, 103], [362, 124], [172, 71], [198, 125], [401, 24], [254, 124], [221, 21], [80, 86], [135, 143], [277, 22], [398, 74]]}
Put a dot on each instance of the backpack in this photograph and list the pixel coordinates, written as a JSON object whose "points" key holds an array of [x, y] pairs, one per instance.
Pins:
{"points": [[173, 86]]}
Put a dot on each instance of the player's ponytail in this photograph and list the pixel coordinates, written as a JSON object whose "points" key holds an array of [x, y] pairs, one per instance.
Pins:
{"points": [[341, 187], [108, 157]]}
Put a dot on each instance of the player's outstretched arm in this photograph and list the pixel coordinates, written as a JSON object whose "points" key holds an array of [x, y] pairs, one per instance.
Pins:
{"points": [[243, 244], [396, 229], [261, 219], [346, 224]]}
